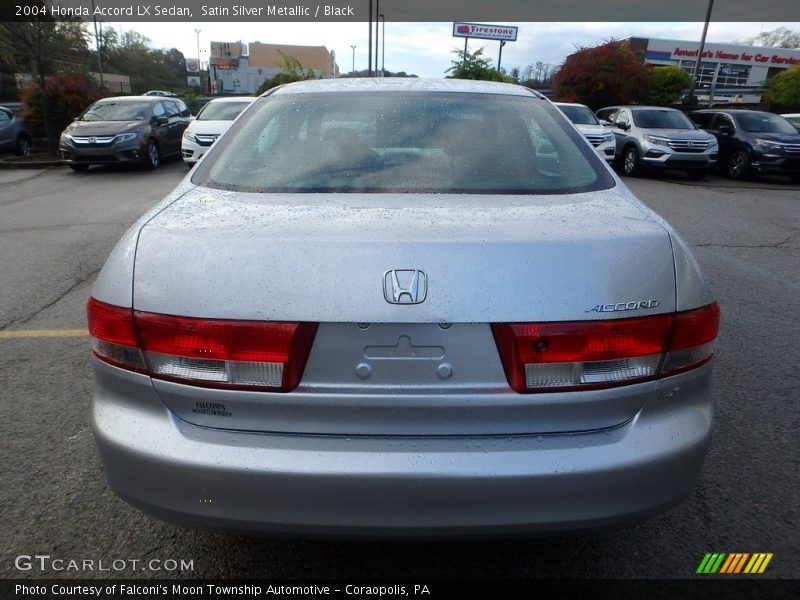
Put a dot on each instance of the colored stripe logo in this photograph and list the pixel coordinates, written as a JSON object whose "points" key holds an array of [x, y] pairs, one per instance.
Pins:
{"points": [[734, 563]]}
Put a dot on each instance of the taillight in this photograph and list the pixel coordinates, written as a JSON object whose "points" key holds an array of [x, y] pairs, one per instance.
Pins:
{"points": [[208, 352], [575, 355]]}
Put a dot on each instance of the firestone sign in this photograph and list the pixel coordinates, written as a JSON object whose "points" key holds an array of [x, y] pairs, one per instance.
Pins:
{"points": [[503, 33]]}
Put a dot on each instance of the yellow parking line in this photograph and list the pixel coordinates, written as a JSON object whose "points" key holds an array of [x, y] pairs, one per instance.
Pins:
{"points": [[34, 333]]}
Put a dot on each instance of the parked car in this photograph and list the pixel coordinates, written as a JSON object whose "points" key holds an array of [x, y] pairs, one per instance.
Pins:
{"points": [[161, 93], [125, 129], [657, 137], [212, 121], [794, 119], [599, 136], [752, 141], [375, 308], [14, 135]]}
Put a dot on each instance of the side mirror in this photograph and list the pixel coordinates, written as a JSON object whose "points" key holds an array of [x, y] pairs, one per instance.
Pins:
{"points": [[162, 120], [725, 129], [623, 125]]}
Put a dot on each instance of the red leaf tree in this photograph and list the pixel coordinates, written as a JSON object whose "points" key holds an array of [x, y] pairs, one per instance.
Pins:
{"points": [[603, 75]]}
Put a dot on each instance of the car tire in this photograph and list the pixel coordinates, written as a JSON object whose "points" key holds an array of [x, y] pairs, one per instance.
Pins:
{"points": [[152, 159], [631, 165], [23, 146], [79, 168], [696, 175], [738, 165]]}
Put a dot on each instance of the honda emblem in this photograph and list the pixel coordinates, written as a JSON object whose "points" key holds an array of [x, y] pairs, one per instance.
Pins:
{"points": [[405, 286]]}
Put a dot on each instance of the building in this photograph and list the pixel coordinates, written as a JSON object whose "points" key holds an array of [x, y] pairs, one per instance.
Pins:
{"points": [[729, 72], [236, 68]]}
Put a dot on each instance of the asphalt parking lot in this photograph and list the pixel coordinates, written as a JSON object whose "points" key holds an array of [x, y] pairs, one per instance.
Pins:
{"points": [[56, 229]]}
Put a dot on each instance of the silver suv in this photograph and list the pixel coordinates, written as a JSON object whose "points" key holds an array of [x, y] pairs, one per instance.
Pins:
{"points": [[654, 136]]}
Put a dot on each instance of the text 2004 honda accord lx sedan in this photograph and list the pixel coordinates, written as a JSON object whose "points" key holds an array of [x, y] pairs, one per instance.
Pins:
{"points": [[402, 307]]}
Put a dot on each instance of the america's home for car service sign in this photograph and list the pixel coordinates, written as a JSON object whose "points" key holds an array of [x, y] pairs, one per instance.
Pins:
{"points": [[505, 33]]}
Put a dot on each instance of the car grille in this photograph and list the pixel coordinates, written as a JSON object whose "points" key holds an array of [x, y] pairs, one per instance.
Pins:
{"points": [[205, 140], [792, 148], [92, 141], [689, 145], [595, 139]]}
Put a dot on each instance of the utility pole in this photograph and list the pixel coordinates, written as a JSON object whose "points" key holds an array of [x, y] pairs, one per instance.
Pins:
{"points": [[383, 47], [377, 36], [500, 56], [353, 70], [369, 42], [98, 47], [696, 74]]}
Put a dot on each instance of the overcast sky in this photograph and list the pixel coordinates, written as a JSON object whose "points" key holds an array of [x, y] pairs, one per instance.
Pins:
{"points": [[426, 48]]}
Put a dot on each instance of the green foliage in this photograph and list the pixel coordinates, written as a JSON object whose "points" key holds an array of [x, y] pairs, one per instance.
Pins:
{"points": [[603, 75], [784, 89], [291, 71], [474, 65], [66, 96], [666, 85], [148, 68]]}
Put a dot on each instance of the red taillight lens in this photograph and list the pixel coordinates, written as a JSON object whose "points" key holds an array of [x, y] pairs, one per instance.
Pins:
{"points": [[594, 354], [207, 352], [113, 335]]}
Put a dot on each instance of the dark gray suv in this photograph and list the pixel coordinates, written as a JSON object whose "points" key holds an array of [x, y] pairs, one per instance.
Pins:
{"points": [[125, 129]]}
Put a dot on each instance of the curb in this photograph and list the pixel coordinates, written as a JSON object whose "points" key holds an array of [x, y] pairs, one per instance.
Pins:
{"points": [[31, 164]]}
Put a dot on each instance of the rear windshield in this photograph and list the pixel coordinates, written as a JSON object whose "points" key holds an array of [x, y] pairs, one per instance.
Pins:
{"points": [[764, 123], [117, 111], [580, 115], [402, 142], [221, 111], [661, 119]]}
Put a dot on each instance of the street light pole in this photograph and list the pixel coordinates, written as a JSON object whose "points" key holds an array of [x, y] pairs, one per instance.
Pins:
{"points": [[377, 37], [353, 70], [199, 64]]}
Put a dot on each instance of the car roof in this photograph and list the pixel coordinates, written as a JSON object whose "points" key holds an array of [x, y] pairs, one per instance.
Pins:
{"points": [[232, 99], [394, 84], [132, 98], [732, 111], [570, 104]]}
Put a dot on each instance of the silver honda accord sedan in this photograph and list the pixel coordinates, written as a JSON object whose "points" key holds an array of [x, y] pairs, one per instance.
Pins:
{"points": [[385, 307]]}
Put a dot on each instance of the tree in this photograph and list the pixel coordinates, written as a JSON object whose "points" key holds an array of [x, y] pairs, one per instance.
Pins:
{"points": [[474, 65], [782, 37], [597, 76], [784, 89], [66, 96], [291, 71], [667, 85]]}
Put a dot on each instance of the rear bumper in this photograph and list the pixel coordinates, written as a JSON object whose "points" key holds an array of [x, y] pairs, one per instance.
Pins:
{"points": [[384, 486]]}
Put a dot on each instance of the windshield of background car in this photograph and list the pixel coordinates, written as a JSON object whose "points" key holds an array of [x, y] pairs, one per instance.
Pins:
{"points": [[117, 111], [221, 111], [661, 119], [403, 142], [580, 115], [764, 123]]}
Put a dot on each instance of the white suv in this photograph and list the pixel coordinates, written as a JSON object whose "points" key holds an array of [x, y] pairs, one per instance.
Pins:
{"points": [[598, 135]]}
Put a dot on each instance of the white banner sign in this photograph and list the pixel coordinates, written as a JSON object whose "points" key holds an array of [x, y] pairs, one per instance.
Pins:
{"points": [[506, 33]]}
